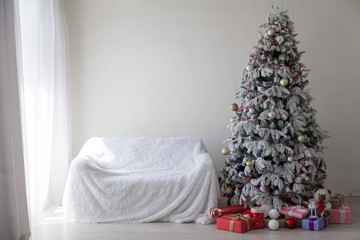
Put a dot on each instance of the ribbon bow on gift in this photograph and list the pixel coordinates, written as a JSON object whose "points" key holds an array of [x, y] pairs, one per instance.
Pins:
{"points": [[237, 218]]}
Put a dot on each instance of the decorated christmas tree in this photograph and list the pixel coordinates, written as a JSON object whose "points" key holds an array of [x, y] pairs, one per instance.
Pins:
{"points": [[275, 149]]}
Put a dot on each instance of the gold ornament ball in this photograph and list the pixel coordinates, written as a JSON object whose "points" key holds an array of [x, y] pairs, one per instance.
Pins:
{"points": [[234, 107], [284, 82], [307, 179], [229, 190], [225, 151], [271, 32], [272, 114], [301, 138], [249, 163]]}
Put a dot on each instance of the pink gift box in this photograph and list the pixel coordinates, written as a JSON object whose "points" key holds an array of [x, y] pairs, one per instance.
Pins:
{"points": [[295, 211], [341, 215]]}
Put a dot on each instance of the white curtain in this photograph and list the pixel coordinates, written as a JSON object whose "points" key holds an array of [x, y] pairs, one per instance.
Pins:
{"points": [[14, 219], [45, 91]]}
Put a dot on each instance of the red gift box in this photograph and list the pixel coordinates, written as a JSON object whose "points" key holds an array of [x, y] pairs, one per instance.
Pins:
{"points": [[257, 218], [217, 212], [234, 223], [341, 215]]}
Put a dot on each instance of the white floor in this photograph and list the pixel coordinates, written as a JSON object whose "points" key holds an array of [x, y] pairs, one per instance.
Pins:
{"points": [[54, 229]]}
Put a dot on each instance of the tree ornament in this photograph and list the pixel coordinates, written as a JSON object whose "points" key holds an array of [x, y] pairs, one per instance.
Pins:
{"points": [[290, 223], [307, 179], [272, 114], [304, 73], [249, 163], [225, 151], [233, 150], [264, 98], [251, 110], [284, 82], [234, 107], [290, 159], [274, 224], [301, 138], [249, 68], [229, 190], [232, 119], [271, 32], [274, 214]]}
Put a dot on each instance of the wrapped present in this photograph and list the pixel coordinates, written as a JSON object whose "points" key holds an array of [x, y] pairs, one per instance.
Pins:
{"points": [[341, 215], [217, 212], [280, 220], [295, 211], [337, 200], [233, 223], [314, 224], [298, 221], [257, 218]]}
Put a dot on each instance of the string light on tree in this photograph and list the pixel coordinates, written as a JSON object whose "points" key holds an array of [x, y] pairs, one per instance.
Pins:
{"points": [[229, 190], [307, 179]]}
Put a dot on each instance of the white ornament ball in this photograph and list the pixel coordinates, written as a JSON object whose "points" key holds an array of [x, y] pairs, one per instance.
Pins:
{"points": [[304, 73], [301, 138], [249, 67], [251, 110], [290, 159], [284, 82], [274, 214], [274, 224], [272, 114]]}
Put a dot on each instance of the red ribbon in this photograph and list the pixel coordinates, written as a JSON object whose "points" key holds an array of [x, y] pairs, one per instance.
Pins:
{"points": [[320, 206]]}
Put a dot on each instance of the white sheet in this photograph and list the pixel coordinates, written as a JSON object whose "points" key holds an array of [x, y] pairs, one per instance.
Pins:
{"points": [[141, 180]]}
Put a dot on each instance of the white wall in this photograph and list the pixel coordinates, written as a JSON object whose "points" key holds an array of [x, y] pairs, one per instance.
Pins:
{"points": [[170, 68]]}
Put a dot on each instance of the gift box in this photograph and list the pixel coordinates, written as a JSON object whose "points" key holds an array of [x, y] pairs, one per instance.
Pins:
{"points": [[337, 200], [314, 224], [217, 212], [295, 211], [298, 221], [233, 223], [341, 215], [257, 218], [280, 220]]}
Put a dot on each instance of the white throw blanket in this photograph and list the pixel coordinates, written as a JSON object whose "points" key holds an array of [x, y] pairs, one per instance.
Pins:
{"points": [[141, 180]]}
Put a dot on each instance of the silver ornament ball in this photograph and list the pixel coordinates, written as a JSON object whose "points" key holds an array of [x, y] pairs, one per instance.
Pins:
{"points": [[290, 159], [249, 67], [251, 110], [304, 73], [272, 114], [233, 150]]}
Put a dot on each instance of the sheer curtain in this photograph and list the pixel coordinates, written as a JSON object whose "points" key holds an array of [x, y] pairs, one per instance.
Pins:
{"points": [[14, 219], [45, 91]]}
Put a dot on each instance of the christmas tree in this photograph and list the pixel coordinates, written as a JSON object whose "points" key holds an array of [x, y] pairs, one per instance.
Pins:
{"points": [[274, 152]]}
